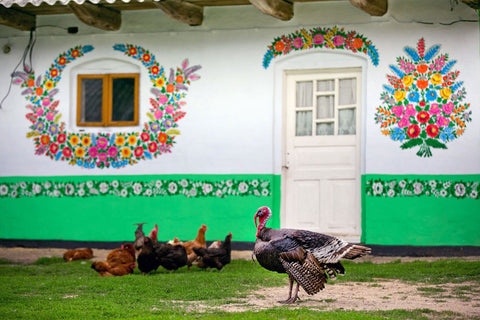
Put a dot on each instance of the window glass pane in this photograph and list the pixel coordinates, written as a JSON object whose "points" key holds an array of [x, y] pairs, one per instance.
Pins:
{"points": [[347, 91], [325, 129], [325, 107], [325, 85], [91, 100], [346, 121], [303, 125], [304, 94], [123, 99]]}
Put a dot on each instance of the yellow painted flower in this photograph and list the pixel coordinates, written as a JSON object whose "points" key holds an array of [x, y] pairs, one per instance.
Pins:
{"points": [[126, 152], [445, 93], [74, 140], [160, 82], [86, 141], [49, 84], [436, 79], [120, 140], [80, 152], [407, 80], [386, 132], [132, 140], [399, 95]]}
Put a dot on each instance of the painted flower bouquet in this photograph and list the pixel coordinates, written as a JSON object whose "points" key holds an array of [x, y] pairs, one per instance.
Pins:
{"points": [[105, 149], [423, 104], [329, 38]]}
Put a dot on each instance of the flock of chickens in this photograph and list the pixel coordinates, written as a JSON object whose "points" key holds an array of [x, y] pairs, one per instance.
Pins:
{"points": [[148, 254], [309, 258]]}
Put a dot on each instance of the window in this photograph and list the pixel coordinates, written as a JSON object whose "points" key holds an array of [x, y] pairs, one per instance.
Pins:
{"points": [[326, 106], [107, 100]]}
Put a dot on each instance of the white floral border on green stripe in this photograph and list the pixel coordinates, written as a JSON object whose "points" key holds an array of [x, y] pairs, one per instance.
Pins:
{"points": [[417, 187], [153, 188]]}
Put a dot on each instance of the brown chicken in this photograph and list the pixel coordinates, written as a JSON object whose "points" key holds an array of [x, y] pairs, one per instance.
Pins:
{"points": [[78, 254], [119, 262], [199, 242], [105, 270]]}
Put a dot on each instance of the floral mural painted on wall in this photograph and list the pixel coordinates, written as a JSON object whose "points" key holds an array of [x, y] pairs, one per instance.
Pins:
{"points": [[423, 104], [328, 38], [392, 188], [153, 188], [104, 150]]}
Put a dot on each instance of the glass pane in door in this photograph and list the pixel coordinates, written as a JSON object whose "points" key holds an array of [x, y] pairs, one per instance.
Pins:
{"points": [[325, 107], [347, 91], [304, 94], [303, 126], [346, 121]]}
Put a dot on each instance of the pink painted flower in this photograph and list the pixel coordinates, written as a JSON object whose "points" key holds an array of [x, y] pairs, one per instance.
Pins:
{"points": [[404, 122], [298, 42], [112, 151], [162, 99], [67, 152], [158, 114], [39, 112], [447, 108], [102, 143], [398, 111], [145, 136], [338, 40], [434, 109], [138, 151], [410, 111], [45, 101], [50, 115], [318, 39], [102, 156], [442, 121], [93, 152], [169, 109]]}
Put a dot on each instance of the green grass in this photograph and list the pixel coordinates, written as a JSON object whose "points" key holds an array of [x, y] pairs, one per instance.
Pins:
{"points": [[54, 289]]}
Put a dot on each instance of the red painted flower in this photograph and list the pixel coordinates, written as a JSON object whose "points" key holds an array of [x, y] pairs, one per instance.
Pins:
{"points": [[279, 46], [152, 147], [413, 131], [62, 61], [54, 148], [155, 69], [67, 152], [138, 151], [54, 73], [145, 136], [132, 51], [422, 84], [61, 138], [45, 139], [423, 117], [162, 137], [432, 130], [75, 53], [146, 57]]}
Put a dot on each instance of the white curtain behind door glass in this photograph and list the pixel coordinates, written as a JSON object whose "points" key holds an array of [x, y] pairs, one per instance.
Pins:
{"points": [[347, 91], [304, 99], [346, 121]]}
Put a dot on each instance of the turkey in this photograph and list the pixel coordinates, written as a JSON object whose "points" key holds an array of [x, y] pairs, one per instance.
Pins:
{"points": [[307, 257]]}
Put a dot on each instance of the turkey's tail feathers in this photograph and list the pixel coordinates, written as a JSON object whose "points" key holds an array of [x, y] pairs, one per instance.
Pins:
{"points": [[334, 269], [354, 251], [302, 266]]}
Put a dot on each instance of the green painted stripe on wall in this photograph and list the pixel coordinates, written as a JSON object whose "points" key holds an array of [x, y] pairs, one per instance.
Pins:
{"points": [[108, 217], [431, 218]]}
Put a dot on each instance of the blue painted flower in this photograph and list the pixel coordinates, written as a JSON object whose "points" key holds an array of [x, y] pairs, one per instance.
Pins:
{"points": [[154, 127], [398, 134], [168, 123], [447, 134], [431, 95], [40, 125], [413, 96]]}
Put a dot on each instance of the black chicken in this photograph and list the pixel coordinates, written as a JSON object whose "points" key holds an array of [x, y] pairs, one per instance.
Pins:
{"points": [[216, 257], [171, 257], [307, 257], [147, 260]]}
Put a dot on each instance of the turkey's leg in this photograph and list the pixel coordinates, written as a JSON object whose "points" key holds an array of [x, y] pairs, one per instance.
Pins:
{"points": [[289, 291]]}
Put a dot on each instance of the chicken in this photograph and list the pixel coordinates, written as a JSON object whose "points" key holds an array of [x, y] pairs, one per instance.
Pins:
{"points": [[147, 259], [171, 257], [119, 261], [199, 242], [78, 254], [212, 257], [307, 257], [106, 270], [139, 236]]}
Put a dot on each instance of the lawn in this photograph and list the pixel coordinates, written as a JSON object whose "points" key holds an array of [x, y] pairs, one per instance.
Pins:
{"points": [[54, 289]]}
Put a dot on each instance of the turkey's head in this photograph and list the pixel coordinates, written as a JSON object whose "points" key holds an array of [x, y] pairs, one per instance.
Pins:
{"points": [[263, 214]]}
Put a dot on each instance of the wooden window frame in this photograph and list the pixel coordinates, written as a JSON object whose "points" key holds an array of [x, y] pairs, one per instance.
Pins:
{"points": [[107, 99]]}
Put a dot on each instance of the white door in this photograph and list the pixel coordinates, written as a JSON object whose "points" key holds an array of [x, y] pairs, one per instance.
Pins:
{"points": [[321, 171]]}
